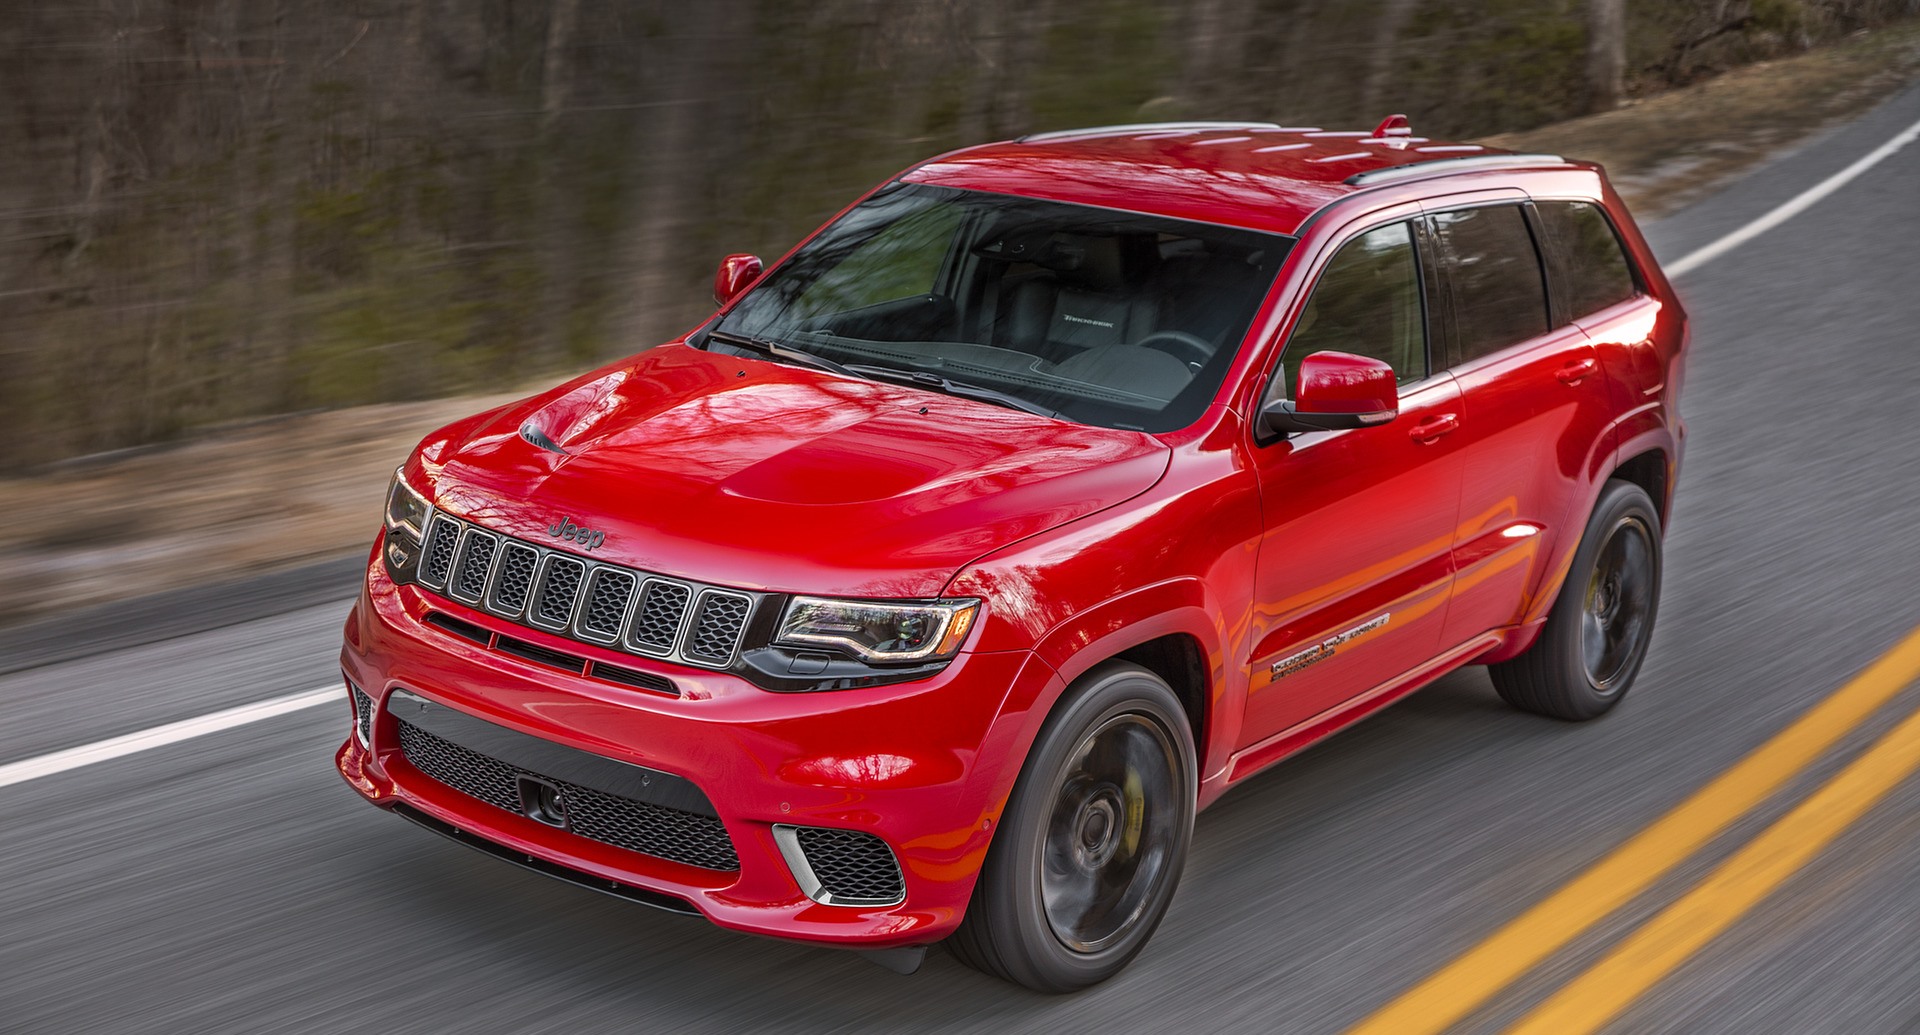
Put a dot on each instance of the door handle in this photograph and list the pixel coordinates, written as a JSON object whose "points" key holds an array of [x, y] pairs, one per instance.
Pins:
{"points": [[1577, 371], [1429, 431]]}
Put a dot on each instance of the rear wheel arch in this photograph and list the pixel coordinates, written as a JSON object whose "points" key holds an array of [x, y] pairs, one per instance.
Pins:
{"points": [[1651, 470]]}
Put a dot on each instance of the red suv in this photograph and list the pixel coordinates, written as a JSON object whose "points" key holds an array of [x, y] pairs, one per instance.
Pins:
{"points": [[1054, 487]]}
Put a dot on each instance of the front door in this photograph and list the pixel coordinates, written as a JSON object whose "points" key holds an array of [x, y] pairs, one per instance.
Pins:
{"points": [[1355, 565]]}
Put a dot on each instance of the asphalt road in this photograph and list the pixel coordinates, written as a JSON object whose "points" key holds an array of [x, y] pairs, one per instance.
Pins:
{"points": [[230, 883]]}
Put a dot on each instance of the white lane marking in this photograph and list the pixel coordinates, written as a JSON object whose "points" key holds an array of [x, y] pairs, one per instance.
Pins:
{"points": [[1798, 204], [160, 736]]}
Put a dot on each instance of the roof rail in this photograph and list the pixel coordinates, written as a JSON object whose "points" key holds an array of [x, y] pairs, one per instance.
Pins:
{"points": [[1142, 127], [1443, 166]]}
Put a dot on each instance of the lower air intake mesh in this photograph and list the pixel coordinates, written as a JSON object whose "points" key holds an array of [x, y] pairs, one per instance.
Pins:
{"points": [[638, 826], [854, 867], [363, 714]]}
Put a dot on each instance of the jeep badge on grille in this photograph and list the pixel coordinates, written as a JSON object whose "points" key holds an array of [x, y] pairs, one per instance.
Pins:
{"points": [[587, 538]]}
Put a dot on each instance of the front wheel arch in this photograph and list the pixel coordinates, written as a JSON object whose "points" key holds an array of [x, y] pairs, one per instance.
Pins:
{"points": [[1012, 928]]}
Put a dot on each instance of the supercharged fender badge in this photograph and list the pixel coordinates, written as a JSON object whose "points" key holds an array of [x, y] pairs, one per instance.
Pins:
{"points": [[1324, 649]]}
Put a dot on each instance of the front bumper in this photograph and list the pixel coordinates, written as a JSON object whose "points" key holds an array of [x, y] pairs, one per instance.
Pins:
{"points": [[925, 766]]}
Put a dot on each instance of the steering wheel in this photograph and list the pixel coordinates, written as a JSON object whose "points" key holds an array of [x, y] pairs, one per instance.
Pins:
{"points": [[1190, 349]]}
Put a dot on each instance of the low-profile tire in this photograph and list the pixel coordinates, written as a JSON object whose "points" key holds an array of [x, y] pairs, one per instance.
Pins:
{"points": [[1596, 636], [1093, 839]]}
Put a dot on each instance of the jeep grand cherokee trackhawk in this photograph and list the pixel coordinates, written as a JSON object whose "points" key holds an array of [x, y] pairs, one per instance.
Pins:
{"points": [[1056, 486]]}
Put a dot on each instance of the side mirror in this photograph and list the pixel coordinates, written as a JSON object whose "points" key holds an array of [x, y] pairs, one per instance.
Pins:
{"points": [[1337, 390], [735, 273]]}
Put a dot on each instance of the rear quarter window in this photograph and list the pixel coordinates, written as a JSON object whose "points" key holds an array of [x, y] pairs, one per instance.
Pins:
{"points": [[1594, 269]]}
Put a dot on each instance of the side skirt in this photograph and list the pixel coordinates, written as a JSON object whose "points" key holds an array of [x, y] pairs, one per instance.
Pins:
{"points": [[1251, 760]]}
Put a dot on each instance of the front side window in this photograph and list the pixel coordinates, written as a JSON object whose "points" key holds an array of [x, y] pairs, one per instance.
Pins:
{"points": [[1367, 303], [1499, 296], [901, 261], [1103, 317], [1594, 265]]}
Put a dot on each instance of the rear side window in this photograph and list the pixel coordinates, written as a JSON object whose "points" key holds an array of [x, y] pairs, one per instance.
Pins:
{"points": [[1595, 269], [1499, 295], [1367, 303]]}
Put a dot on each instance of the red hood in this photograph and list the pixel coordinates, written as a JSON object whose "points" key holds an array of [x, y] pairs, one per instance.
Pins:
{"points": [[770, 477]]}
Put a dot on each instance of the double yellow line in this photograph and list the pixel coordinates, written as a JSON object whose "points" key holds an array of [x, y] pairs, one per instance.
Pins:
{"points": [[1600, 994]]}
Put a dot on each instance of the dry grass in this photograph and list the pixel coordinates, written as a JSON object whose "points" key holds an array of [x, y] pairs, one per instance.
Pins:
{"points": [[1669, 149], [273, 494], [247, 498]]}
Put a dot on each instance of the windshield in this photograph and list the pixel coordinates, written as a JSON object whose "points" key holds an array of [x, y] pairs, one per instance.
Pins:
{"points": [[1107, 318]]}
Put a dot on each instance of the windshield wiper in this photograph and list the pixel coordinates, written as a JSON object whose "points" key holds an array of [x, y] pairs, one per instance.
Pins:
{"points": [[948, 386], [777, 350]]}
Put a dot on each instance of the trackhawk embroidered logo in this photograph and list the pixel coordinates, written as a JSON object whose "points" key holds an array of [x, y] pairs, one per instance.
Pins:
{"points": [[587, 538], [1324, 649], [1070, 318]]}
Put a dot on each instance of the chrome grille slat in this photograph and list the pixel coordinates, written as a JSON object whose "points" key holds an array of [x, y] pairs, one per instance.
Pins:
{"points": [[475, 562], [719, 619], [656, 622], [444, 535], [606, 604], [560, 581], [513, 583], [604, 608]]}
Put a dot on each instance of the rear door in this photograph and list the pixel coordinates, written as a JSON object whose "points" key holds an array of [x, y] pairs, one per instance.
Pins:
{"points": [[1598, 287], [1536, 410]]}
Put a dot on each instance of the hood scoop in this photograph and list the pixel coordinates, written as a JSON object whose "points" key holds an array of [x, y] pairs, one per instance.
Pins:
{"points": [[533, 434]]}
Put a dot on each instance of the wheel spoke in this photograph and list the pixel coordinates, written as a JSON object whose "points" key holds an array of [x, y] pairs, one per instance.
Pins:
{"points": [[1112, 820], [1619, 598]]}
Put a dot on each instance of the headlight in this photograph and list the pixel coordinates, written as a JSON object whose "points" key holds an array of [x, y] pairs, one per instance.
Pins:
{"points": [[406, 522], [405, 508], [875, 631]]}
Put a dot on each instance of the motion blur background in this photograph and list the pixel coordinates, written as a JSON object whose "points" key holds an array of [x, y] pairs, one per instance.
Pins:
{"points": [[252, 250], [219, 209]]}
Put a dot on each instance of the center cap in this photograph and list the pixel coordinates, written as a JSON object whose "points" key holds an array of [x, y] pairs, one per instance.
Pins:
{"points": [[1099, 829]]}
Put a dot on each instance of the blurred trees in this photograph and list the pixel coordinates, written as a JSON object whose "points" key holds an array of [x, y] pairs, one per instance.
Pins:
{"points": [[213, 209]]}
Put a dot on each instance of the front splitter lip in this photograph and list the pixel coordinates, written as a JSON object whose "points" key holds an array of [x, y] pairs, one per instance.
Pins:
{"points": [[699, 892]]}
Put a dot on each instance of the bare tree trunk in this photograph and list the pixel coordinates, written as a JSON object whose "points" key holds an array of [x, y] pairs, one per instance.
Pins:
{"points": [[986, 36], [558, 270], [676, 152], [1216, 56], [1606, 53], [557, 69], [1374, 102]]}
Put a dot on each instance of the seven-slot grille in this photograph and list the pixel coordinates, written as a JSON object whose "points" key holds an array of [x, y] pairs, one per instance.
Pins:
{"points": [[582, 599], [638, 826]]}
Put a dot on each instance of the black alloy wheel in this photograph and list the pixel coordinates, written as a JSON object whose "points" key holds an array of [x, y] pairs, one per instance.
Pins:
{"points": [[1596, 636], [1619, 604], [1093, 840]]}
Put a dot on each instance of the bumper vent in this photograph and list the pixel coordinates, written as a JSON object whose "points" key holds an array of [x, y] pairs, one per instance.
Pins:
{"points": [[597, 815], [573, 596], [841, 867], [362, 715]]}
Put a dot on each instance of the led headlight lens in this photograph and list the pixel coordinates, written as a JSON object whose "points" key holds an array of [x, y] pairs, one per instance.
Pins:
{"points": [[405, 508], [875, 631]]}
